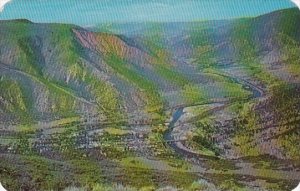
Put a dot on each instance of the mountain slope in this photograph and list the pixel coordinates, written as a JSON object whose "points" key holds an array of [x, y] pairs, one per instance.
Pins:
{"points": [[95, 73], [262, 50], [32, 54]]}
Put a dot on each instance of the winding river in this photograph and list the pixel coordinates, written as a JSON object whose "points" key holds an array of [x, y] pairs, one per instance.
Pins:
{"points": [[187, 153]]}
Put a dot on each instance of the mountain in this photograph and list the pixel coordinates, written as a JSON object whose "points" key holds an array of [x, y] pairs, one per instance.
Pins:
{"points": [[58, 71]]}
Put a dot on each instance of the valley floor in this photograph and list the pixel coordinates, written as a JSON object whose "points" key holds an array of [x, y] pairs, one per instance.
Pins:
{"points": [[90, 153]]}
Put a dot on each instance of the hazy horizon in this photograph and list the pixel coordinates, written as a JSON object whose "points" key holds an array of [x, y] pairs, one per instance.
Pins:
{"points": [[96, 12]]}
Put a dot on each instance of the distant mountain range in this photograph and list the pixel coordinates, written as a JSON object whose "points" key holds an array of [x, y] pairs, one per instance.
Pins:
{"points": [[54, 70]]}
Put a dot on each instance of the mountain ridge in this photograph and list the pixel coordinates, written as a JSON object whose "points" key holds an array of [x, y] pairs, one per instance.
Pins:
{"points": [[133, 49]]}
